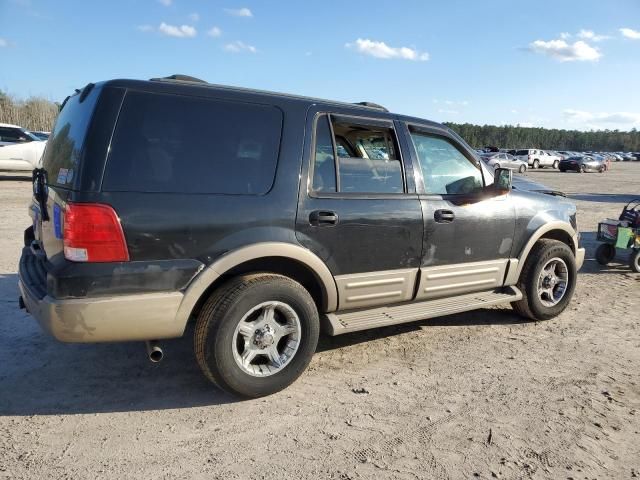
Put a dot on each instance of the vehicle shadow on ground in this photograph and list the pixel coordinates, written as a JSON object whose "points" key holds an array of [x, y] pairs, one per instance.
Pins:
{"points": [[603, 197]]}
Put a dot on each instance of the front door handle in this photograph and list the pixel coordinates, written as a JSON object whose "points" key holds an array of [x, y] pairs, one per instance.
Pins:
{"points": [[320, 218], [444, 216]]}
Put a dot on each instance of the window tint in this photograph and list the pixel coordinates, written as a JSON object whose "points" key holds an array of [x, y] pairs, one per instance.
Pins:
{"points": [[180, 144], [444, 168], [324, 167], [62, 154], [11, 135], [373, 164], [522, 152]]}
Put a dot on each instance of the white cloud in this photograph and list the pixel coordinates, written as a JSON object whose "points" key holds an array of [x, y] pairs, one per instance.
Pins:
{"points": [[514, 111], [627, 119], [448, 111], [182, 31], [566, 52], [3, 43], [194, 17], [145, 28], [565, 35], [630, 33], [382, 50], [238, 47], [239, 12], [214, 32], [166, 3], [591, 35]]}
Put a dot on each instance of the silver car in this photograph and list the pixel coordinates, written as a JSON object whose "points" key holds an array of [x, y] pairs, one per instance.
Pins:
{"points": [[504, 160]]}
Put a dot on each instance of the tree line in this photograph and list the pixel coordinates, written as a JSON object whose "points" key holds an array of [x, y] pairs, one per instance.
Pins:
{"points": [[38, 113], [509, 136], [35, 113]]}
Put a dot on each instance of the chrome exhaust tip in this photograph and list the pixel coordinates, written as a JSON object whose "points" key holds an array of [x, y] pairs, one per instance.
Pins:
{"points": [[154, 351]]}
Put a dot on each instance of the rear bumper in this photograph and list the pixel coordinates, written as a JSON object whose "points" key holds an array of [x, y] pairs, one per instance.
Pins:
{"points": [[149, 316]]}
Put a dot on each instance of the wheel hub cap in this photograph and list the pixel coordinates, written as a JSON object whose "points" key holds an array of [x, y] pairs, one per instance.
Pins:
{"points": [[263, 337], [553, 282]]}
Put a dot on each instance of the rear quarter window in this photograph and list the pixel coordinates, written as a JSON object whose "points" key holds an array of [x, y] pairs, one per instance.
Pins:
{"points": [[182, 144]]}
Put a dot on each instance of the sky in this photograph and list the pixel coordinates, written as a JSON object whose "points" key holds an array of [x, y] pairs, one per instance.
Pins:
{"points": [[572, 64]]}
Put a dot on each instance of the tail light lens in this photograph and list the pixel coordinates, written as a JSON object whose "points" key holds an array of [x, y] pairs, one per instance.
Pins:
{"points": [[92, 233]]}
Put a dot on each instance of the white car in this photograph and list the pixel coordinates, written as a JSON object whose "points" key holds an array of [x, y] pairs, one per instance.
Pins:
{"points": [[20, 150], [536, 158]]}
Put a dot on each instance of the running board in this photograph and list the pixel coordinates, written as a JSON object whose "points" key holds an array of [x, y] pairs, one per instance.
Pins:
{"points": [[353, 321]]}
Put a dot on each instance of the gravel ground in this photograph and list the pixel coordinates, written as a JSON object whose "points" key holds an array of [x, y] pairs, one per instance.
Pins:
{"points": [[476, 395]]}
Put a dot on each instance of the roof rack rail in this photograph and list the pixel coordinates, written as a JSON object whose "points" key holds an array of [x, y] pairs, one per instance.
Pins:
{"points": [[372, 105], [179, 78]]}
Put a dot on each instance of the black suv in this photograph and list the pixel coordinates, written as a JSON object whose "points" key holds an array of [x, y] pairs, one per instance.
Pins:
{"points": [[265, 217]]}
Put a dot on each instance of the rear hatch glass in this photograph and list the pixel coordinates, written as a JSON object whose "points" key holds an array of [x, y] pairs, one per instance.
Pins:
{"points": [[62, 156], [61, 161], [522, 152]]}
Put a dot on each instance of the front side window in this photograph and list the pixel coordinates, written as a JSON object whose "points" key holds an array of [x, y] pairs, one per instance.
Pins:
{"points": [[367, 157], [446, 171]]}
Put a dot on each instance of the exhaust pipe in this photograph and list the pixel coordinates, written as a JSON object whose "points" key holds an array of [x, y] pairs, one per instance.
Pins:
{"points": [[154, 352]]}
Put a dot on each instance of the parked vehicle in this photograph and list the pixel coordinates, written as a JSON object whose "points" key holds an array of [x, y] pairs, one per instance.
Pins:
{"points": [[582, 164], [174, 199], [538, 158], [621, 234], [505, 160], [41, 135], [20, 150]]}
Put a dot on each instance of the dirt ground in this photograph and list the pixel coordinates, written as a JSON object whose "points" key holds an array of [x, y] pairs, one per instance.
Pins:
{"points": [[476, 395]]}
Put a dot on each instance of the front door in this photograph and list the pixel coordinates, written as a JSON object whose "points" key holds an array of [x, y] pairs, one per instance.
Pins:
{"points": [[358, 209], [469, 233]]}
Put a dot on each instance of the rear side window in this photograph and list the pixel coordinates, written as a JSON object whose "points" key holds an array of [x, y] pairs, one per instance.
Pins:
{"points": [[522, 152], [180, 144], [62, 155]]}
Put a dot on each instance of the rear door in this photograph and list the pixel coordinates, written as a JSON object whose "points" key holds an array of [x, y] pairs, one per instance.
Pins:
{"points": [[358, 209], [468, 233]]}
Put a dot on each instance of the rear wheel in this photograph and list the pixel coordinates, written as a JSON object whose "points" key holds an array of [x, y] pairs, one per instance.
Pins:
{"points": [[601, 169], [256, 334], [522, 169], [547, 280], [556, 164], [634, 260], [536, 164], [582, 169], [605, 253]]}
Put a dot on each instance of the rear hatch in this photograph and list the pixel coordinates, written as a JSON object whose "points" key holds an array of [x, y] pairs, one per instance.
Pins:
{"points": [[60, 173]]}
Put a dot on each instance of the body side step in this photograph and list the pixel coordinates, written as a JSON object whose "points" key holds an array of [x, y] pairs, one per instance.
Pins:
{"points": [[353, 321]]}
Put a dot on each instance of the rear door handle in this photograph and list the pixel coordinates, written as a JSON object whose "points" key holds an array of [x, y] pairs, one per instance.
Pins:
{"points": [[444, 216], [320, 218]]}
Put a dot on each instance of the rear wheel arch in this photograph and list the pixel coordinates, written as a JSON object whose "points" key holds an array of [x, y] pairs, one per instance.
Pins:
{"points": [[289, 260]]}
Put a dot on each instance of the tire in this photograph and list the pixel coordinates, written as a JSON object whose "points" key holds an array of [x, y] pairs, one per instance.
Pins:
{"points": [[582, 169], [545, 252], [601, 169], [496, 166], [522, 169], [556, 164], [634, 260], [218, 337], [605, 253], [536, 163]]}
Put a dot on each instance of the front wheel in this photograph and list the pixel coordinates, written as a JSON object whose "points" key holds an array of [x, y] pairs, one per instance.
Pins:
{"points": [[556, 164], [634, 260], [256, 334], [605, 253], [582, 169], [547, 281], [536, 164], [522, 169]]}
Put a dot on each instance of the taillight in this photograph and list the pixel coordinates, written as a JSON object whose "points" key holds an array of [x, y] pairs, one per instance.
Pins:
{"points": [[92, 233]]}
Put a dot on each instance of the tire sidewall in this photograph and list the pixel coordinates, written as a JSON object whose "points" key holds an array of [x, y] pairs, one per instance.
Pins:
{"points": [[219, 348], [557, 250]]}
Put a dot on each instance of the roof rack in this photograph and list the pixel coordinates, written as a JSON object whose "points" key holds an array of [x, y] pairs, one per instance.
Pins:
{"points": [[372, 105], [179, 78]]}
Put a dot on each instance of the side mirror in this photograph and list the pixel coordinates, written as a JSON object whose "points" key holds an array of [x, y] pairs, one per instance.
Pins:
{"points": [[502, 179]]}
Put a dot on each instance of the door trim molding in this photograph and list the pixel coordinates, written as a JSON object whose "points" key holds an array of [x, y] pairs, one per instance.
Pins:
{"points": [[358, 290]]}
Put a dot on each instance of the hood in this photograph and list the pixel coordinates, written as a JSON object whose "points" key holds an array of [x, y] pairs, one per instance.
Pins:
{"points": [[526, 185]]}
